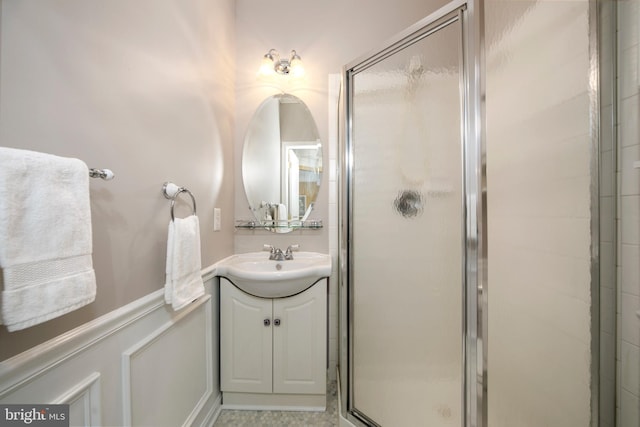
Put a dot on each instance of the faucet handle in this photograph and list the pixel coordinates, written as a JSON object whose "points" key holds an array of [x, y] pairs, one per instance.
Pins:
{"points": [[268, 248], [288, 254], [274, 253]]}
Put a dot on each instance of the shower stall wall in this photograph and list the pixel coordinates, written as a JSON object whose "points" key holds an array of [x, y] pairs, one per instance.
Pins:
{"points": [[470, 221]]}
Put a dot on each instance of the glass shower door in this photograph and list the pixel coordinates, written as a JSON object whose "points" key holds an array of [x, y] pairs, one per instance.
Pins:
{"points": [[406, 250]]}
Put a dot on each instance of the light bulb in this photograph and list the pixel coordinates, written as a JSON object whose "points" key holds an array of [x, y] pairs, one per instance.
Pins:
{"points": [[266, 68], [296, 69]]}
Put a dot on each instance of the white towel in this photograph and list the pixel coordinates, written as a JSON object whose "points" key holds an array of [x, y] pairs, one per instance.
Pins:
{"points": [[45, 237], [282, 217], [184, 278]]}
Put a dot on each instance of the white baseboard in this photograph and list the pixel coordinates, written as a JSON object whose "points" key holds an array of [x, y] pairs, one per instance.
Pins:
{"points": [[212, 415]]}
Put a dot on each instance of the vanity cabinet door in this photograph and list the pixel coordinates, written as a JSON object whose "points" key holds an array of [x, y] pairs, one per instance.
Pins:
{"points": [[300, 342], [245, 341]]}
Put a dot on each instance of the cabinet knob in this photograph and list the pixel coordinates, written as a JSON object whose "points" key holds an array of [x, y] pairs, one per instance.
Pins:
{"points": [[266, 322], [276, 322]]}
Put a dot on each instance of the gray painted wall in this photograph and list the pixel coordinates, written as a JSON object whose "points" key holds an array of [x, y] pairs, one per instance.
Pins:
{"points": [[144, 88]]}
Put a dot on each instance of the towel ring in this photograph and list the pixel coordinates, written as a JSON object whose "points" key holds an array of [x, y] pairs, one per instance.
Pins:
{"points": [[172, 191]]}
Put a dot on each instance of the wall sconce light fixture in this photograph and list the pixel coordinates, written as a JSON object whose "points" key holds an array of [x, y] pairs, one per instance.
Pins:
{"points": [[273, 63]]}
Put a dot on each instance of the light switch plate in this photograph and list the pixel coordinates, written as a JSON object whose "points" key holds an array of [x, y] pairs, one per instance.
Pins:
{"points": [[216, 219]]}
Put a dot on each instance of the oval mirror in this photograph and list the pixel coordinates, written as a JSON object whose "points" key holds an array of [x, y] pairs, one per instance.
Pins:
{"points": [[282, 163]]}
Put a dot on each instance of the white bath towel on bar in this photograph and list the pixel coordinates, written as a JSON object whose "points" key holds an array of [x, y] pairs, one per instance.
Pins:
{"points": [[184, 278], [45, 237]]}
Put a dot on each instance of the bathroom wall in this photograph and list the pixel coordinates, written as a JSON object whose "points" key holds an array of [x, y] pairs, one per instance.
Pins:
{"points": [[628, 211], [539, 218], [144, 88]]}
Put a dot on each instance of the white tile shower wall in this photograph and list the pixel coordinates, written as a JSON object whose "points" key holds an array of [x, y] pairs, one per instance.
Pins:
{"points": [[628, 270]]}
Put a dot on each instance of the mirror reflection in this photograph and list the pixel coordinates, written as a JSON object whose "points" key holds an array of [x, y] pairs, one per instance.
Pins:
{"points": [[282, 162]]}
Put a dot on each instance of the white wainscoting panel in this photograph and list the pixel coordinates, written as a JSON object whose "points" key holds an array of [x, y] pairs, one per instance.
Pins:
{"points": [[84, 402], [142, 364], [177, 361]]}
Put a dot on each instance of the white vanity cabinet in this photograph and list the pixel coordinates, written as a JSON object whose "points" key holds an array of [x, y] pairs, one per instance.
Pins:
{"points": [[273, 351]]}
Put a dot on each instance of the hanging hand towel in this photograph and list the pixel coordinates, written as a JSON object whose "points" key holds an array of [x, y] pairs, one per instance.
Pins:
{"points": [[283, 218], [45, 237], [184, 278]]}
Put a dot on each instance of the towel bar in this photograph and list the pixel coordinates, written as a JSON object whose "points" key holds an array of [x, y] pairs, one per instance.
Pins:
{"points": [[172, 191], [105, 174]]}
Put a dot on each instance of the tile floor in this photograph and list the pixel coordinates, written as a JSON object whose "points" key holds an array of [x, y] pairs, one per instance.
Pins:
{"points": [[329, 418]]}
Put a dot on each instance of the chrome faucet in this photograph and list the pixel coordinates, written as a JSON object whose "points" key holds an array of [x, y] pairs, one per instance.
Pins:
{"points": [[276, 254]]}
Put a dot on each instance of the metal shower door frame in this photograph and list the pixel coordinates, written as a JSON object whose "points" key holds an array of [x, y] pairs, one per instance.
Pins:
{"points": [[474, 244]]}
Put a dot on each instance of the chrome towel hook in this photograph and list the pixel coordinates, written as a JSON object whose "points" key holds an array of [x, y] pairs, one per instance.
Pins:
{"points": [[171, 191]]}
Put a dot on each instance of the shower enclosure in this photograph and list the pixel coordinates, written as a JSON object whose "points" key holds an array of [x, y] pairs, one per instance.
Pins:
{"points": [[414, 201], [469, 282]]}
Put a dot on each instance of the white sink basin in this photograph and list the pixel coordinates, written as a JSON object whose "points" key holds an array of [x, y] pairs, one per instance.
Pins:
{"points": [[255, 274]]}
